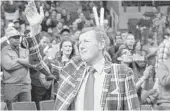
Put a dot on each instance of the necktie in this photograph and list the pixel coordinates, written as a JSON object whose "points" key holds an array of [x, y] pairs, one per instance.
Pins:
{"points": [[89, 90]]}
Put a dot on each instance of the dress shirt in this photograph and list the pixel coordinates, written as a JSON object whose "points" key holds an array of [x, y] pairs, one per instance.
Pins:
{"points": [[98, 85]]}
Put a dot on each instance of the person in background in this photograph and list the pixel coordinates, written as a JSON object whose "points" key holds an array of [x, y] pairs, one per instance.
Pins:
{"points": [[163, 75], [39, 92], [125, 57], [129, 43], [66, 52], [15, 65], [65, 33]]}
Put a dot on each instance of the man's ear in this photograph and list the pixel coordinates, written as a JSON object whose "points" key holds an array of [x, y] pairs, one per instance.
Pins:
{"points": [[102, 44]]}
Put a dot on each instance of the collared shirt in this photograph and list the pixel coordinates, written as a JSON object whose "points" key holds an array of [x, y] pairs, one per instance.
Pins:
{"points": [[13, 71], [98, 85]]}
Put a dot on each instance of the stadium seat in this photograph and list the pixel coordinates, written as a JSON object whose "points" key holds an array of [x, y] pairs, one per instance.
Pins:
{"points": [[146, 107], [3, 106], [24, 106], [46, 105]]}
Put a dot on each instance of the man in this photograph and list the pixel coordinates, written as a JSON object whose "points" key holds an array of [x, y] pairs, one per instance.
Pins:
{"points": [[163, 75], [65, 33], [109, 86], [113, 84], [164, 49], [130, 41], [16, 80], [39, 92]]}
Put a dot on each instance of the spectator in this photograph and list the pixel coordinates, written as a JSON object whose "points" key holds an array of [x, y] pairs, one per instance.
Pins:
{"points": [[17, 83], [17, 25], [65, 33], [11, 11], [163, 51], [129, 43], [125, 57], [64, 15], [39, 92], [163, 75]]}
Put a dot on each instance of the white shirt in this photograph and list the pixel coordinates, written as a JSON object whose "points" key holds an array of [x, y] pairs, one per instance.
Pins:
{"points": [[98, 86]]}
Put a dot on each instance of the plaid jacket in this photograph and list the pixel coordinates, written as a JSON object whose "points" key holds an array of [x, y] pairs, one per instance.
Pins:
{"points": [[163, 53], [35, 57], [118, 92]]}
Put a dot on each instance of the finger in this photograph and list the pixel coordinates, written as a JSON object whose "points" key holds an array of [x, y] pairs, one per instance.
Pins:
{"points": [[41, 11], [32, 6]]}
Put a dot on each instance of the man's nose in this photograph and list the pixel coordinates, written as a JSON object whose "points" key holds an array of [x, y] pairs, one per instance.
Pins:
{"points": [[81, 46]]}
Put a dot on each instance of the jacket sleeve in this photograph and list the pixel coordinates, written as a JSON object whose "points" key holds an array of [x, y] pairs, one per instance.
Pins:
{"points": [[35, 57], [131, 101], [8, 63], [163, 75]]}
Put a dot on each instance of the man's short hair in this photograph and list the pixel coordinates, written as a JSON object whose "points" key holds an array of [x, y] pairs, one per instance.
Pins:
{"points": [[64, 30], [100, 34], [130, 34]]}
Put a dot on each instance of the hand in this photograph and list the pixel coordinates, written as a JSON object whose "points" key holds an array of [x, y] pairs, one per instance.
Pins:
{"points": [[147, 71], [33, 17], [50, 77]]}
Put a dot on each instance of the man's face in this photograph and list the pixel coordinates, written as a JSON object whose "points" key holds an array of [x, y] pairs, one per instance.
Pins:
{"points": [[58, 17], [60, 25], [89, 46], [65, 34], [53, 14], [17, 25], [119, 40], [64, 12], [130, 40], [126, 56], [44, 41], [15, 41]]}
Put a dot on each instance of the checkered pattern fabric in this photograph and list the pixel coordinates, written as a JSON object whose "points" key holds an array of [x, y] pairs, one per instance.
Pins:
{"points": [[163, 52], [118, 92], [35, 57]]}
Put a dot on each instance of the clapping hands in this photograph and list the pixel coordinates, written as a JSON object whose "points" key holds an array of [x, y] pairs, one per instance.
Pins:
{"points": [[148, 72]]}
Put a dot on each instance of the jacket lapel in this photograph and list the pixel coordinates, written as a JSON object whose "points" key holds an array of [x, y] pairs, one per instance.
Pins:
{"points": [[70, 79], [106, 84]]}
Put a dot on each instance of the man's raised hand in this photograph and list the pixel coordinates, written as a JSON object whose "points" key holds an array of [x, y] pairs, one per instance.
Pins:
{"points": [[32, 15]]}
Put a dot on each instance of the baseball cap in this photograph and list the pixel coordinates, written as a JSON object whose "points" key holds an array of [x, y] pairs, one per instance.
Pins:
{"points": [[12, 32]]}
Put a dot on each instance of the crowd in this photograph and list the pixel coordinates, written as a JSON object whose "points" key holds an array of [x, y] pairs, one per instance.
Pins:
{"points": [[47, 66]]}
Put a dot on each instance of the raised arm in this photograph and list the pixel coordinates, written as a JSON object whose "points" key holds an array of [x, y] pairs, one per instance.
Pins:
{"points": [[35, 58]]}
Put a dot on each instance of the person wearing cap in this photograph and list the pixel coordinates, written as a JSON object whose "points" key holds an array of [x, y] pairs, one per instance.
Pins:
{"points": [[65, 32], [16, 79], [17, 24]]}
